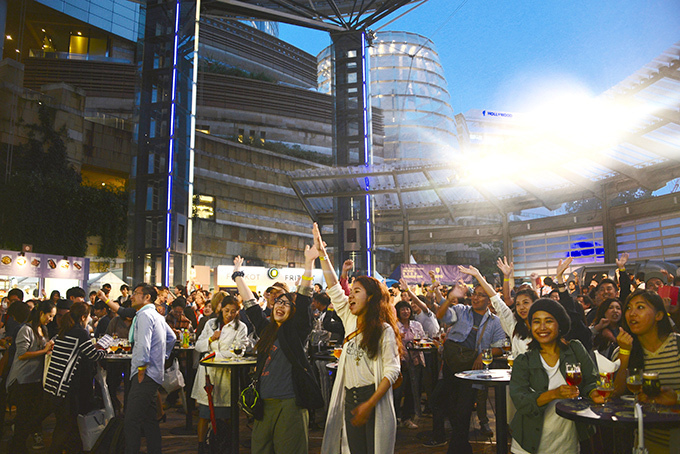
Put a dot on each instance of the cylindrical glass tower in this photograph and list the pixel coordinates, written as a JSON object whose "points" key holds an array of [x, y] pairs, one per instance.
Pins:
{"points": [[407, 82]]}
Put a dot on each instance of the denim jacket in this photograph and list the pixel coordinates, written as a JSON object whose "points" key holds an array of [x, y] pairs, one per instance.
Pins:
{"points": [[529, 380]]}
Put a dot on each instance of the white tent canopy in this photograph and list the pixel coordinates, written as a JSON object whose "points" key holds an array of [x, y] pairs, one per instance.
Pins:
{"points": [[96, 281]]}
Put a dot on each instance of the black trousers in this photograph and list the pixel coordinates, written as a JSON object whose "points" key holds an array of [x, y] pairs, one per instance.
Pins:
{"points": [[140, 417], [361, 439], [66, 435], [32, 408], [462, 401]]}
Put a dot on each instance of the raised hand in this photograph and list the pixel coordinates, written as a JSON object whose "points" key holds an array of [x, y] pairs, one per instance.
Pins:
{"points": [[238, 261], [318, 241], [403, 286], [471, 270], [624, 340], [505, 267], [458, 290], [562, 266], [347, 266], [622, 260], [311, 253]]}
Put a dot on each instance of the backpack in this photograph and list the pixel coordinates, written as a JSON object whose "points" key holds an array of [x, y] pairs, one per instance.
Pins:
{"points": [[112, 440]]}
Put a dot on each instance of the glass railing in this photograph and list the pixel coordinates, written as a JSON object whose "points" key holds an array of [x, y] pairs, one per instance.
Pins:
{"points": [[34, 53]]}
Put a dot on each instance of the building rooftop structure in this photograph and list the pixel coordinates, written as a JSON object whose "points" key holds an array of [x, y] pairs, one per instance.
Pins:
{"points": [[625, 139]]}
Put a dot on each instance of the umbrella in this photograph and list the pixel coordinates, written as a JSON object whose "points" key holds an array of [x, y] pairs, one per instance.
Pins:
{"points": [[209, 389]]}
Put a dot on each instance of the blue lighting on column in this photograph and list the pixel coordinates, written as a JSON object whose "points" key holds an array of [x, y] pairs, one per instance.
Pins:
{"points": [[171, 148], [367, 160]]}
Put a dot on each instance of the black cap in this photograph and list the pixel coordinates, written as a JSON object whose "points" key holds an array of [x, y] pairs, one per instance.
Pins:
{"points": [[555, 309]]}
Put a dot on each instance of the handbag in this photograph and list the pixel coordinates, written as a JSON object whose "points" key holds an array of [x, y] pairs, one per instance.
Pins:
{"points": [[93, 424], [459, 358], [250, 401], [173, 378]]}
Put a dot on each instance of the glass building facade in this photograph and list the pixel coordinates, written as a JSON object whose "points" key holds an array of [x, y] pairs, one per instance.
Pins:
{"points": [[407, 82], [120, 17], [541, 252]]}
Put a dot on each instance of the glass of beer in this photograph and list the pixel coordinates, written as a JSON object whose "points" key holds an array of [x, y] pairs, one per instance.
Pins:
{"points": [[574, 376], [114, 346], [126, 347], [634, 381], [605, 387], [511, 360], [507, 346], [337, 351], [487, 358], [651, 386]]}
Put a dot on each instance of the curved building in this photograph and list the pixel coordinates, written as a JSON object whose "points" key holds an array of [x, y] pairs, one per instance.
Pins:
{"points": [[407, 83]]}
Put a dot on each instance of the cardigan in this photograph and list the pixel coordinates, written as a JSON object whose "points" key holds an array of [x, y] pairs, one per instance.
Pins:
{"points": [[385, 365], [529, 380], [66, 358]]}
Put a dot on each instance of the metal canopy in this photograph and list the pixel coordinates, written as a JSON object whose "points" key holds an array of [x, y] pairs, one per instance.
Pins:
{"points": [[440, 193], [328, 15]]}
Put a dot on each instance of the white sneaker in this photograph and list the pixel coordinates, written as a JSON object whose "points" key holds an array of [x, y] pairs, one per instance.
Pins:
{"points": [[410, 424], [38, 441]]}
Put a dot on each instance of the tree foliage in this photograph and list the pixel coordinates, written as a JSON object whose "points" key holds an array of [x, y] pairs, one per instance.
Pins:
{"points": [[488, 255], [595, 204], [44, 202]]}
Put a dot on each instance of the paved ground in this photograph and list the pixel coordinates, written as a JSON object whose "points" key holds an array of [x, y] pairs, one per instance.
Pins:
{"points": [[408, 441]]}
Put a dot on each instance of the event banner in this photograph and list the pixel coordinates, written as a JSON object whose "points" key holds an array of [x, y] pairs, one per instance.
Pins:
{"points": [[417, 274]]}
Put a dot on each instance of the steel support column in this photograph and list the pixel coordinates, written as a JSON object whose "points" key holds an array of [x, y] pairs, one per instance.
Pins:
{"points": [[352, 146], [163, 164]]}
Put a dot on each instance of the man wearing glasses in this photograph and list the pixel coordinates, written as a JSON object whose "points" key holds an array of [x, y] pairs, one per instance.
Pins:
{"points": [[153, 341]]}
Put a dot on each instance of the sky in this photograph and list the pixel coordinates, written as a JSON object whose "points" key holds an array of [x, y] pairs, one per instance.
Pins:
{"points": [[511, 55]]}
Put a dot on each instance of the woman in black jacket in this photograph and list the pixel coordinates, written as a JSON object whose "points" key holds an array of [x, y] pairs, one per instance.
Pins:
{"points": [[286, 383], [69, 377]]}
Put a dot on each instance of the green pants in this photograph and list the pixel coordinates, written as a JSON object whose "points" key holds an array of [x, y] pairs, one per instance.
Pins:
{"points": [[283, 429]]}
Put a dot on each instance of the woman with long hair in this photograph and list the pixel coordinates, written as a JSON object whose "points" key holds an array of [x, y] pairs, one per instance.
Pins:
{"points": [[285, 382], [24, 382], [361, 410], [606, 327], [647, 342], [220, 335], [538, 381], [412, 367], [69, 377]]}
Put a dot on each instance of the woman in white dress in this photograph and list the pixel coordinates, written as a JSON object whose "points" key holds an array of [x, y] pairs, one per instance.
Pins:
{"points": [[220, 335]]}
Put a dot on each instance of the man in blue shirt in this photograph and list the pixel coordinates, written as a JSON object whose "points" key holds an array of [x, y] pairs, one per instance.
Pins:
{"points": [[153, 341], [475, 328]]}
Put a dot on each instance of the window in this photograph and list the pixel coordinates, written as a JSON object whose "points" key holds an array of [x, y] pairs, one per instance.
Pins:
{"points": [[204, 206]]}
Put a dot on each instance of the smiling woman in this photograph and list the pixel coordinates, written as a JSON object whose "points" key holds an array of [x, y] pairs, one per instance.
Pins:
{"points": [[538, 381], [361, 411], [284, 380]]}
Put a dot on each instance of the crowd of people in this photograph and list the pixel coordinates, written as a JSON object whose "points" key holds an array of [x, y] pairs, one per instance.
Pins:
{"points": [[382, 383]]}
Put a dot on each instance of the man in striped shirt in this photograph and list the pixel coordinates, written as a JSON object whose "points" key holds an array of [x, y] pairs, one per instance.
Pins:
{"points": [[153, 341]]}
